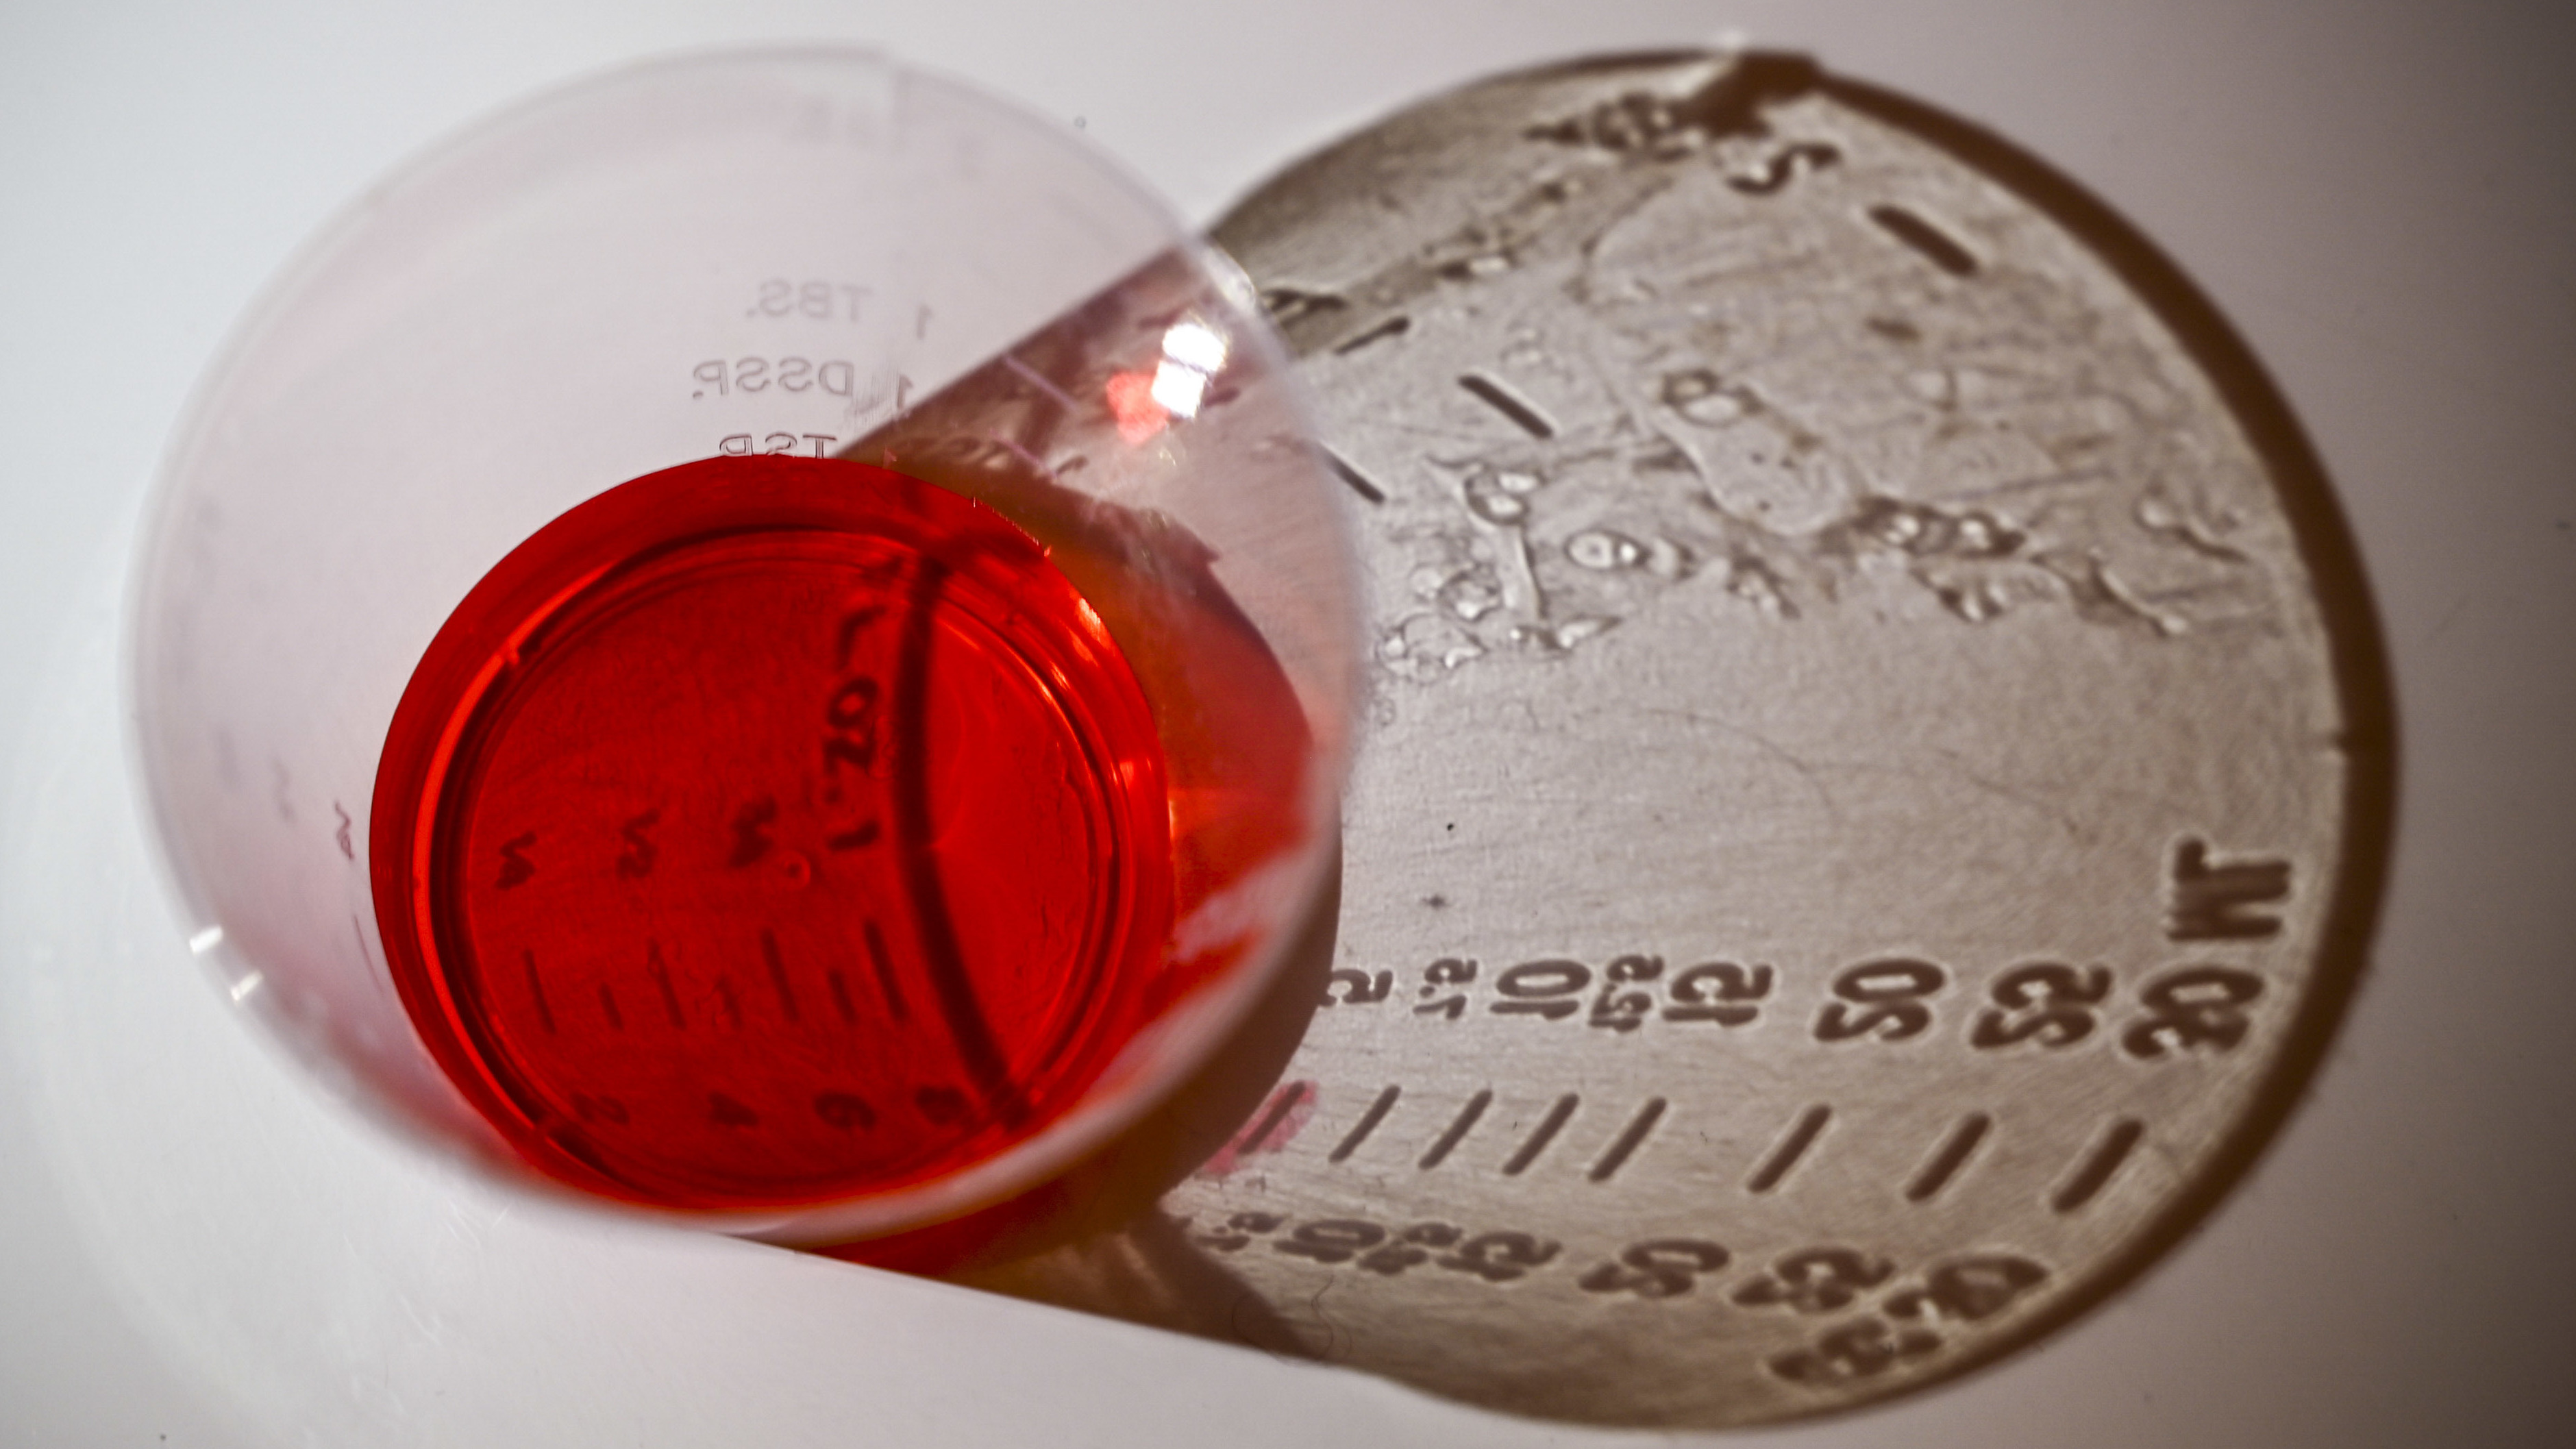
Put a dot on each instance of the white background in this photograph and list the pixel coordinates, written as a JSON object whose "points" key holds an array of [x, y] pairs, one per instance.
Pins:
{"points": [[2377, 194]]}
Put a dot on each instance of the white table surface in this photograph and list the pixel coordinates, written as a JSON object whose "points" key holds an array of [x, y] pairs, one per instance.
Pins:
{"points": [[196, 1250]]}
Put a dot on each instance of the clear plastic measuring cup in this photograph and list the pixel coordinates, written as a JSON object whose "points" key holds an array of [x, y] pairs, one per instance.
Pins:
{"points": [[745, 264]]}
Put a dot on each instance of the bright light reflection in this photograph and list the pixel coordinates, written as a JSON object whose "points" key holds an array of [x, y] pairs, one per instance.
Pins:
{"points": [[1178, 388], [1144, 404], [1193, 345], [1192, 356]]}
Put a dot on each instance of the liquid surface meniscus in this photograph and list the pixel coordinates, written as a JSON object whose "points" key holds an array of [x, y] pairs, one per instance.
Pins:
{"points": [[769, 831]]}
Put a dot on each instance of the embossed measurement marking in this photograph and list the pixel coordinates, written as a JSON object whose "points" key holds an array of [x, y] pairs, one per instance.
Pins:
{"points": [[1878, 768], [2083, 1176]]}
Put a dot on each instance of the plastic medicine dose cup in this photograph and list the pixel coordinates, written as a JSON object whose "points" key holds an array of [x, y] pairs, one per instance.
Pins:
{"points": [[759, 638]]}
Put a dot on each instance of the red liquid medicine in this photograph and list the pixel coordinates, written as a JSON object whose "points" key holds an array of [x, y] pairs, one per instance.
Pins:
{"points": [[771, 831]]}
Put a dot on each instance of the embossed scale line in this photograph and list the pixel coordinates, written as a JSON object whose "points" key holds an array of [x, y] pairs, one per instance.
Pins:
{"points": [[1510, 404], [1280, 1106], [536, 989], [1553, 1123], [2095, 1170], [1935, 244], [1395, 326], [1629, 1139], [1041, 382], [1357, 481], [661, 974], [1802, 1136], [1946, 1160], [1457, 1130], [884, 965], [1369, 1119], [778, 974]]}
